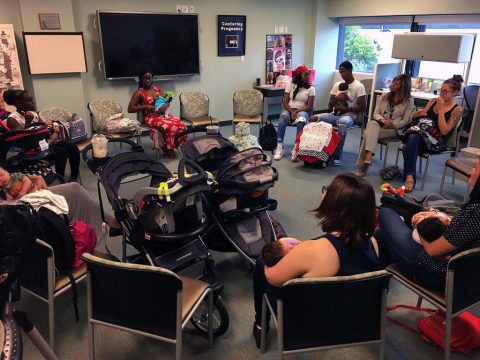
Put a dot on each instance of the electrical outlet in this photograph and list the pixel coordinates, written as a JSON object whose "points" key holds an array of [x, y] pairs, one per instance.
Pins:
{"points": [[276, 29], [179, 8], [286, 29], [185, 9], [192, 9], [242, 58], [281, 29]]}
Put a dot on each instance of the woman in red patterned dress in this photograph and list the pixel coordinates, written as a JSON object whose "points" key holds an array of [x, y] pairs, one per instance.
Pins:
{"points": [[161, 119]]}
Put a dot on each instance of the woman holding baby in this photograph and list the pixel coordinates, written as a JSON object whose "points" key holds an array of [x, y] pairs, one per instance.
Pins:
{"points": [[393, 112], [426, 261], [347, 216]]}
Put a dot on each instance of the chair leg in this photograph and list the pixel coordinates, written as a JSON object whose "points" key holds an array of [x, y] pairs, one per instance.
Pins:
{"points": [[51, 303], [381, 151], [179, 331], [443, 179], [467, 194], [453, 177], [91, 341], [448, 333], [385, 156], [398, 154], [280, 329], [425, 173], [419, 301], [210, 319]]}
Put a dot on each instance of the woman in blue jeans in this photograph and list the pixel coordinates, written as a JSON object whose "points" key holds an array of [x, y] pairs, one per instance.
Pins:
{"points": [[426, 262], [297, 104], [445, 115], [347, 216]]}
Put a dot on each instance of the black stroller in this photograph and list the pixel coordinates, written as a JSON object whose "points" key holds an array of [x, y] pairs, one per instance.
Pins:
{"points": [[31, 148], [238, 203], [164, 221]]}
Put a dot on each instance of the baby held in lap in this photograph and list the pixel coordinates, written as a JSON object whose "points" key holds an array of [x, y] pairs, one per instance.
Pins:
{"points": [[274, 251], [431, 228], [341, 98]]}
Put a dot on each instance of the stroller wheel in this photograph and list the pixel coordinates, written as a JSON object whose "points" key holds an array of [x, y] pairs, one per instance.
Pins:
{"points": [[220, 317]]}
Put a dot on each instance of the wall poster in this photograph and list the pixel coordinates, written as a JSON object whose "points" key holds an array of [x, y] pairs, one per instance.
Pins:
{"points": [[231, 31], [10, 75], [279, 56]]}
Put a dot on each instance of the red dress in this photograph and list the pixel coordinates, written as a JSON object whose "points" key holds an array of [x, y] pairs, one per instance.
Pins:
{"points": [[170, 124]]}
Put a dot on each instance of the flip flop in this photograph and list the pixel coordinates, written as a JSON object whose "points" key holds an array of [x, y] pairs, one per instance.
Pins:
{"points": [[411, 187]]}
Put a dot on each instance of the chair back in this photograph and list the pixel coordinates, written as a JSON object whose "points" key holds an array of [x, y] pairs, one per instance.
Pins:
{"points": [[193, 104], [452, 140], [470, 94], [336, 310], [248, 102], [100, 110], [55, 113], [363, 116], [465, 268], [138, 297]]}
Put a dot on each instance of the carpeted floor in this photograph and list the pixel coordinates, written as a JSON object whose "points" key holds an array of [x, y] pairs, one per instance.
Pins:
{"points": [[297, 191]]}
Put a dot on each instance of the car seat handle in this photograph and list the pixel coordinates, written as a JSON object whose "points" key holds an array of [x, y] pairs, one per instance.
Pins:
{"points": [[184, 180]]}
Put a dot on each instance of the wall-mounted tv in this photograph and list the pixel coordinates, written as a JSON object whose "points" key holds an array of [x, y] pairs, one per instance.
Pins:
{"points": [[166, 44]]}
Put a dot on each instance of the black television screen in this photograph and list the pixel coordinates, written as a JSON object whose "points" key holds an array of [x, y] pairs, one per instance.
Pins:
{"points": [[166, 44]]}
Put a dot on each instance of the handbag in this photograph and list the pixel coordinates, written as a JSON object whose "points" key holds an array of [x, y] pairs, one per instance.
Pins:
{"points": [[390, 173], [465, 334], [76, 129], [267, 137]]}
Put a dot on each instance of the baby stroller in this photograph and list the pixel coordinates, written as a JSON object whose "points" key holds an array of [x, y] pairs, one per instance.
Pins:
{"points": [[238, 203], [164, 222], [31, 148]]}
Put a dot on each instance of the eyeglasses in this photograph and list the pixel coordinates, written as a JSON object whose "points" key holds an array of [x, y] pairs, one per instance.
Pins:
{"points": [[444, 91], [324, 189]]}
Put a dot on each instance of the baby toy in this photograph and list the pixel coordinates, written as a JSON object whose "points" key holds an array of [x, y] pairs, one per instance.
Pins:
{"points": [[389, 189], [163, 100]]}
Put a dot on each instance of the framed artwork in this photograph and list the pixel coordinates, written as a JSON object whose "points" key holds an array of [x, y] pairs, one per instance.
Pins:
{"points": [[231, 30], [278, 56], [49, 21]]}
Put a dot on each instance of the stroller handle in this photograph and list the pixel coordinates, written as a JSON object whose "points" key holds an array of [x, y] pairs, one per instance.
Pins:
{"points": [[247, 185], [192, 130]]}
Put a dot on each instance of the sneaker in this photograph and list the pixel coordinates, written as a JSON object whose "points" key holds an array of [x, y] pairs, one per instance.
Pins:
{"points": [[278, 152], [337, 163]]}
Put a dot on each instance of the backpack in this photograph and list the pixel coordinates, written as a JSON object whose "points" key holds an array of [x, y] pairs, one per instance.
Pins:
{"points": [[55, 231], [76, 129], [465, 333], [85, 240], [267, 137]]}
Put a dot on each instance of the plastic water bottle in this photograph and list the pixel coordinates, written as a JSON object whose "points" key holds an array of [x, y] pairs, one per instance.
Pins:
{"points": [[342, 130]]}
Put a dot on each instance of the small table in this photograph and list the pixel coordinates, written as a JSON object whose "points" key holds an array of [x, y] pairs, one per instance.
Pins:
{"points": [[271, 95]]}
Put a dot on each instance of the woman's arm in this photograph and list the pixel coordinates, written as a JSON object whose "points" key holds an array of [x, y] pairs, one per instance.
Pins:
{"points": [[286, 102], [446, 128], [423, 112], [309, 104], [406, 116], [135, 104], [377, 113], [13, 124], [438, 248], [304, 259]]}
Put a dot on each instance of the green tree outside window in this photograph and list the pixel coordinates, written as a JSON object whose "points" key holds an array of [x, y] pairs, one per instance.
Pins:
{"points": [[360, 49]]}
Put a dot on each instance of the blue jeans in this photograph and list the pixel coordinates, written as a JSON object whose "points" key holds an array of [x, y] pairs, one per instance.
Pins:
{"points": [[333, 119], [285, 120], [260, 287], [412, 148], [397, 245]]}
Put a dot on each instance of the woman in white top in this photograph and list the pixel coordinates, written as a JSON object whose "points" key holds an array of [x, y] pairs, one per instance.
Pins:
{"points": [[297, 103]]}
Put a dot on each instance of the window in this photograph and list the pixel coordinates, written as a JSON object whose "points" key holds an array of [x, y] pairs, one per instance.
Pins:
{"points": [[365, 44]]}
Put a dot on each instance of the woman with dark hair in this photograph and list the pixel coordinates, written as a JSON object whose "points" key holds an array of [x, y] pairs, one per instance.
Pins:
{"points": [[26, 115], [347, 216], [297, 103], [144, 99], [430, 128], [393, 112], [426, 263]]}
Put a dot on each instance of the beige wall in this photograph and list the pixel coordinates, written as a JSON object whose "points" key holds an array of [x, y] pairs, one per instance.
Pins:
{"points": [[349, 8]]}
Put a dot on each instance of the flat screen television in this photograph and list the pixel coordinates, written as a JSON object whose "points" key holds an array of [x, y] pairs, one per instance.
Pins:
{"points": [[166, 44]]}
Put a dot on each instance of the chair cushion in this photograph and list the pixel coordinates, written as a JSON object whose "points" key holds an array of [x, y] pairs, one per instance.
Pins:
{"points": [[247, 119], [194, 104], [201, 120], [55, 113], [101, 110], [427, 293], [248, 102], [458, 166], [192, 290]]}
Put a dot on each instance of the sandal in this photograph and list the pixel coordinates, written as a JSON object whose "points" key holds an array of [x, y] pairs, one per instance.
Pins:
{"points": [[409, 185], [363, 169]]}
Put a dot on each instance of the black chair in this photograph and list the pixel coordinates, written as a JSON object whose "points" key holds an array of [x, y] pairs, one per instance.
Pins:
{"points": [[461, 290], [329, 313], [144, 300]]}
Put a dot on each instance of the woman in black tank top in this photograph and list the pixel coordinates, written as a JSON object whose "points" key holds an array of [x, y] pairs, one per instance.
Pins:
{"points": [[444, 115], [347, 216]]}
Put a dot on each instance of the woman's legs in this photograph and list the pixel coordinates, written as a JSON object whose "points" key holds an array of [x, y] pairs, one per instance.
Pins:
{"points": [[301, 124], [60, 159], [260, 287], [283, 121], [411, 150], [73, 156]]}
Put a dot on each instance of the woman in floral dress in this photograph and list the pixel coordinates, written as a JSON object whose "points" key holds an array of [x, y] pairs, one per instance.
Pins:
{"points": [[159, 119]]}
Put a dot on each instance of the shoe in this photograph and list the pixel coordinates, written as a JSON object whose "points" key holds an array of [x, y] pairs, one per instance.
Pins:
{"points": [[257, 334], [409, 185], [337, 163], [278, 152], [363, 169]]}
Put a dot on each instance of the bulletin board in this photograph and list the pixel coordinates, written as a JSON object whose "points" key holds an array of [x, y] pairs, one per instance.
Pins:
{"points": [[279, 56], [55, 52], [10, 75]]}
